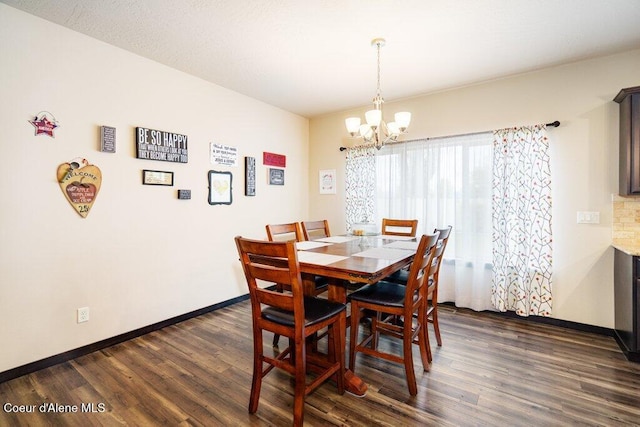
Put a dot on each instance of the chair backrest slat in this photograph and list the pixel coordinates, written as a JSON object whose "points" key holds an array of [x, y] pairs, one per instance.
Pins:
{"points": [[399, 227], [281, 232], [315, 229]]}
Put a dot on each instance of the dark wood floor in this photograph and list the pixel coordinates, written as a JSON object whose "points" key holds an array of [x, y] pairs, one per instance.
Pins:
{"points": [[490, 371]]}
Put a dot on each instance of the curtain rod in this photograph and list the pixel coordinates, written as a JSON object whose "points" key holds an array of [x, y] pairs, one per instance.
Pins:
{"points": [[553, 124]]}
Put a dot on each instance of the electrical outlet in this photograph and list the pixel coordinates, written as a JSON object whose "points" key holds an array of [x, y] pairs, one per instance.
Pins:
{"points": [[83, 314]]}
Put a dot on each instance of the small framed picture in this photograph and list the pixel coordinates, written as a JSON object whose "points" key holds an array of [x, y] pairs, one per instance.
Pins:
{"points": [[220, 188], [276, 176], [249, 176], [150, 177], [107, 139], [327, 179]]}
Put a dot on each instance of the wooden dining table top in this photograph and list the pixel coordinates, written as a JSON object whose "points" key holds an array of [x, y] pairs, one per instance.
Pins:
{"points": [[365, 259]]}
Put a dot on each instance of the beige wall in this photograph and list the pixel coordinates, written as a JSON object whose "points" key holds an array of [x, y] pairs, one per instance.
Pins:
{"points": [[584, 155], [141, 256]]}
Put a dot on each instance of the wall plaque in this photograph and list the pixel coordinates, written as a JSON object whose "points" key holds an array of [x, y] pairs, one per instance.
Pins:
{"points": [[45, 123], [150, 177], [272, 159], [160, 145], [276, 176], [249, 176], [107, 139], [223, 154], [80, 183]]}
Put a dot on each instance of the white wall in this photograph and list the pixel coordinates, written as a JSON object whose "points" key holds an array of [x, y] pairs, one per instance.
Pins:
{"points": [[584, 155], [141, 256]]}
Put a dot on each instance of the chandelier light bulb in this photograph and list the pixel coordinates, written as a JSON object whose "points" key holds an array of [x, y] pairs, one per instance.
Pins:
{"points": [[393, 128], [403, 119], [366, 132], [373, 118], [353, 125]]}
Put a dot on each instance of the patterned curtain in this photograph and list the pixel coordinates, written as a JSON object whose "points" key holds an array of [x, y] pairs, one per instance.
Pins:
{"points": [[522, 221], [360, 184]]}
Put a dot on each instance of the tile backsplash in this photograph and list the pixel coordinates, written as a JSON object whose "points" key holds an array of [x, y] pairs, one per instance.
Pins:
{"points": [[626, 220]]}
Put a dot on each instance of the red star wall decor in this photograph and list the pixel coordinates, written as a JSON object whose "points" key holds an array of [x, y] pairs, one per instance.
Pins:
{"points": [[45, 123]]}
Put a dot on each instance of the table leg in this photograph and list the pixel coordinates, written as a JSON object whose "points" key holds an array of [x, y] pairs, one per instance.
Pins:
{"points": [[352, 383]]}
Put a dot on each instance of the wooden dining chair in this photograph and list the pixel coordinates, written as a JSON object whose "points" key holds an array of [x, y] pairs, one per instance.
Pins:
{"points": [[292, 231], [281, 232], [402, 276], [278, 232], [432, 294], [399, 227], [290, 314], [390, 301], [315, 229]]}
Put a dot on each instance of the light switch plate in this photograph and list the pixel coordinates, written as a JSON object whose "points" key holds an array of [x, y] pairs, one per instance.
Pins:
{"points": [[585, 217]]}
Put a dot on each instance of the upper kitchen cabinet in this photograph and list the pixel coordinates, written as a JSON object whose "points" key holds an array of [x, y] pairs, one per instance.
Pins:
{"points": [[629, 100]]}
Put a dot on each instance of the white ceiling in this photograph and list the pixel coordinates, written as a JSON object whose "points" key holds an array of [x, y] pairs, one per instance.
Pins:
{"points": [[313, 57]]}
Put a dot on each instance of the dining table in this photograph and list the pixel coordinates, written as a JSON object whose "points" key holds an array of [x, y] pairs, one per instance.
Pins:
{"points": [[349, 260]]}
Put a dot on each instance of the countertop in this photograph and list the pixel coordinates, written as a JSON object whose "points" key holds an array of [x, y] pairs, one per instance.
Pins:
{"points": [[632, 249]]}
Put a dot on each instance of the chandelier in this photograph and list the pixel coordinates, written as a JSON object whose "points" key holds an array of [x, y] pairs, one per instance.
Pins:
{"points": [[376, 131]]}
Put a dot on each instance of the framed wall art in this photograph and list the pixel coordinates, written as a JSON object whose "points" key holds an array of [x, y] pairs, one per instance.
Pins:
{"points": [[276, 176], [150, 177], [154, 144], [220, 188], [273, 159], [327, 181], [107, 139], [249, 176]]}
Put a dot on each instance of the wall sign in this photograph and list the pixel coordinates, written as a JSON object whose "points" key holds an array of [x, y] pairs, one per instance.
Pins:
{"points": [[223, 155], [80, 183], [272, 159], [249, 176], [150, 177], [276, 176], [159, 145], [220, 188], [107, 139], [45, 123]]}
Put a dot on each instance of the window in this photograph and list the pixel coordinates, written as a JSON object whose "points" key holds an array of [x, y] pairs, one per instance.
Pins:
{"points": [[440, 182]]}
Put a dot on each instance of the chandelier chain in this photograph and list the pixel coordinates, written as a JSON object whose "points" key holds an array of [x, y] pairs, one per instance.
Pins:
{"points": [[378, 94]]}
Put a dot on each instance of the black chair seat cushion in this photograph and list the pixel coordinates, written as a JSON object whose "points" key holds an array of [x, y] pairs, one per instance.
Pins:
{"points": [[401, 276], [381, 293], [321, 282], [315, 310]]}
